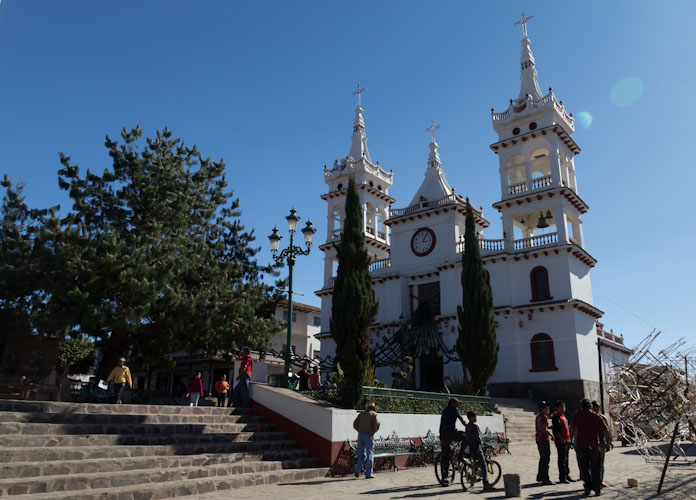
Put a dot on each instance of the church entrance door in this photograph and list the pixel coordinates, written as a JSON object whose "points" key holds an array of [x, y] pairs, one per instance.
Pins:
{"points": [[431, 372]]}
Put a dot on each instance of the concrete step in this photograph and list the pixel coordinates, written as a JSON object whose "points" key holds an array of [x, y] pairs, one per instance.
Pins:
{"points": [[93, 408], [98, 480], [30, 429], [24, 454], [47, 440], [189, 487], [25, 470], [133, 418]]}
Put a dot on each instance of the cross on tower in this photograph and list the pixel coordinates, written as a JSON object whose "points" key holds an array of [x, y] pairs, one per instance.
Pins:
{"points": [[432, 128], [523, 21], [358, 90]]}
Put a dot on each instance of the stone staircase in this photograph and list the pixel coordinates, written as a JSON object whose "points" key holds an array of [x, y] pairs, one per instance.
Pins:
{"points": [[62, 451], [519, 415]]}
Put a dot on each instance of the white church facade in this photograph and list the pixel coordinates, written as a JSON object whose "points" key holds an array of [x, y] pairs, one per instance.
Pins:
{"points": [[539, 268]]}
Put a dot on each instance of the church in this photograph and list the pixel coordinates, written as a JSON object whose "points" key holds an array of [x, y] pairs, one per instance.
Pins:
{"points": [[538, 269]]}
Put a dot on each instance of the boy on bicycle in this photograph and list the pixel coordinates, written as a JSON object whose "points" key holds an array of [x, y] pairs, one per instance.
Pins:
{"points": [[449, 433], [473, 437]]}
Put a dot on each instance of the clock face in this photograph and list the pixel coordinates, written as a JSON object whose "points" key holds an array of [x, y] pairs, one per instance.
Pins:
{"points": [[423, 242]]}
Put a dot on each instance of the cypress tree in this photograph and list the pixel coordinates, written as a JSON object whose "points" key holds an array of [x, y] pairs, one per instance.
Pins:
{"points": [[353, 307], [476, 345]]}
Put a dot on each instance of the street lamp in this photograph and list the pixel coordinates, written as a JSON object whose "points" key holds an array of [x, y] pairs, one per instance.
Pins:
{"points": [[289, 255]]}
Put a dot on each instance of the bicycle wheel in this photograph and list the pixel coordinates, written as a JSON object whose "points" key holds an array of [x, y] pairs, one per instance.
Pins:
{"points": [[495, 472], [468, 476], [438, 471]]}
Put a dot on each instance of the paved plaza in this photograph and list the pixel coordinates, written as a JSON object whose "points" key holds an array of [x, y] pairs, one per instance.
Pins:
{"points": [[419, 482]]}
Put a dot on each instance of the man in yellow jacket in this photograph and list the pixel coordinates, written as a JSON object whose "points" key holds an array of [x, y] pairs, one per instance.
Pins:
{"points": [[120, 376]]}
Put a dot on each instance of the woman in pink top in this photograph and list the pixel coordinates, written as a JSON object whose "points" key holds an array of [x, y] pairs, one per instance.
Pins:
{"points": [[195, 389]]}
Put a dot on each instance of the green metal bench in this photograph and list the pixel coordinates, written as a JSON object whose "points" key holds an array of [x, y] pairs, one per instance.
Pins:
{"points": [[388, 449]]}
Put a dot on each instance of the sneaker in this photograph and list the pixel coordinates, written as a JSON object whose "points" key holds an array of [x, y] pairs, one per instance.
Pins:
{"points": [[563, 481], [604, 485], [369, 477], [488, 487], [357, 474], [445, 482]]}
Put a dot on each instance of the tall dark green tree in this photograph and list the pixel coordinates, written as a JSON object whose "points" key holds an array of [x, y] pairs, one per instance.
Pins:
{"points": [[151, 259], [353, 306], [476, 345]]}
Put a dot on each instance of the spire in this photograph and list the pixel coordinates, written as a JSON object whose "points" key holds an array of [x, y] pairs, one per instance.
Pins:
{"points": [[529, 78], [434, 186], [434, 156], [358, 141]]}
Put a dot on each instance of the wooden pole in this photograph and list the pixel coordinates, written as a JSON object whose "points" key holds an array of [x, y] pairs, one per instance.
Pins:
{"points": [[669, 455]]}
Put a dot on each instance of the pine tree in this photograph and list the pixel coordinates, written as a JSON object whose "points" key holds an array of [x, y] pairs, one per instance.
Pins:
{"points": [[152, 258], [476, 345], [353, 306]]}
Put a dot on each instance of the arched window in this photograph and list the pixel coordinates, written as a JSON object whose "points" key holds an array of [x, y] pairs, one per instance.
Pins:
{"points": [[539, 278], [543, 357]]}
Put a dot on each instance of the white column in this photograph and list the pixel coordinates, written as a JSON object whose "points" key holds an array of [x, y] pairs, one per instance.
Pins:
{"points": [[504, 181], [577, 233], [561, 223], [528, 175], [555, 163], [509, 233], [364, 218], [328, 267]]}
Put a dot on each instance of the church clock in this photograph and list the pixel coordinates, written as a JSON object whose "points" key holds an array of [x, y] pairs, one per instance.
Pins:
{"points": [[423, 242]]}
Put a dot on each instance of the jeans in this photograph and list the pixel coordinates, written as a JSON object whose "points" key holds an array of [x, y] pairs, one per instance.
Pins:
{"points": [[193, 398], [590, 468], [366, 454], [118, 392], [563, 469], [544, 459], [446, 440], [241, 391], [477, 453]]}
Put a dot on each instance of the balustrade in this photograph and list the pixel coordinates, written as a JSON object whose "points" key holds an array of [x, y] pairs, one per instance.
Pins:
{"points": [[380, 264], [519, 187], [485, 245], [536, 241], [370, 230], [447, 200], [541, 182]]}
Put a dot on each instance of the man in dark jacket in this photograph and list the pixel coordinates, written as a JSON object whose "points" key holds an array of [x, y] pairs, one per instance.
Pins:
{"points": [[450, 434]]}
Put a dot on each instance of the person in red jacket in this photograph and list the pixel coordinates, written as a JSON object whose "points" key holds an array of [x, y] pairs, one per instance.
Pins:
{"points": [[195, 389], [561, 436], [241, 390]]}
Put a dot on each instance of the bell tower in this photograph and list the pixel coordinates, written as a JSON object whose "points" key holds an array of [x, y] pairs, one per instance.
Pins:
{"points": [[539, 203], [372, 183], [540, 270]]}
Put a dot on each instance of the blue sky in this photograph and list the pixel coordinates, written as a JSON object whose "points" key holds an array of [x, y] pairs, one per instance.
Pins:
{"points": [[267, 85]]}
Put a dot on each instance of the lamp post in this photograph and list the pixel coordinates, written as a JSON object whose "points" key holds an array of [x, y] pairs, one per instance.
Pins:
{"points": [[289, 254]]}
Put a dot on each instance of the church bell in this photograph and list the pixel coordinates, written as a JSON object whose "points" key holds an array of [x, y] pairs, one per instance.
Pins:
{"points": [[542, 221]]}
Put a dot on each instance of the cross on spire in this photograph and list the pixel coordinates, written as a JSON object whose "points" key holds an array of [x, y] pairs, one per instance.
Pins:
{"points": [[358, 90], [432, 128], [523, 21]]}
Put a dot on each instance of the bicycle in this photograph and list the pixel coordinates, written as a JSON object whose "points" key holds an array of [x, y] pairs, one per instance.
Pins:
{"points": [[470, 471]]}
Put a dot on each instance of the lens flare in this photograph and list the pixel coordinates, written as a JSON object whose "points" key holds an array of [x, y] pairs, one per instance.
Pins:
{"points": [[627, 91], [584, 118]]}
